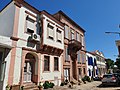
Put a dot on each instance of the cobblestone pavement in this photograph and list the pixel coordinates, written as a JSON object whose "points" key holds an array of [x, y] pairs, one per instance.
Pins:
{"points": [[95, 85]]}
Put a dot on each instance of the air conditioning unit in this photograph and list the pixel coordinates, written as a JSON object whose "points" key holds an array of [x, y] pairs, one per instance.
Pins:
{"points": [[36, 37]]}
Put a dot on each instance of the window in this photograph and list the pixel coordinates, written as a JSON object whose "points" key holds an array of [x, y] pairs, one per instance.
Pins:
{"points": [[78, 57], [79, 71], [90, 61], [46, 63], [30, 24], [84, 71], [2, 67], [67, 32], [66, 74], [59, 36], [77, 36], [82, 41], [56, 64], [95, 64], [50, 29], [66, 54], [80, 38], [72, 34], [83, 58]]}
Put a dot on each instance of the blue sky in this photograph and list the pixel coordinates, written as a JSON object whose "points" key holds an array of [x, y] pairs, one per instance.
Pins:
{"points": [[95, 16]]}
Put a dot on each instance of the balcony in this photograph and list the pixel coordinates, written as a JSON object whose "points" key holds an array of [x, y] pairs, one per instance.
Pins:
{"points": [[45, 49], [74, 46]]}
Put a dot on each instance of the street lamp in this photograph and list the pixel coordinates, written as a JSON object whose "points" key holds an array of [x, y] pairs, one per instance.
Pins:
{"points": [[113, 33]]}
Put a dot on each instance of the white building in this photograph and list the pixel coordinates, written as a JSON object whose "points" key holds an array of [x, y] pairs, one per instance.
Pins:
{"points": [[101, 63], [31, 45], [92, 70]]}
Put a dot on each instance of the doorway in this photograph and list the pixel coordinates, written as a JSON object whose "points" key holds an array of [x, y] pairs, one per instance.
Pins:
{"points": [[29, 68]]}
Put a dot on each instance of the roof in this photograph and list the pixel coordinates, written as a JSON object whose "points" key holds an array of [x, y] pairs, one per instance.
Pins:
{"points": [[62, 13]]}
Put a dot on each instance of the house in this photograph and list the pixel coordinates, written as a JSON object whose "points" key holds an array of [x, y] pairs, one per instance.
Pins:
{"points": [[74, 61], [101, 63], [31, 45], [91, 63]]}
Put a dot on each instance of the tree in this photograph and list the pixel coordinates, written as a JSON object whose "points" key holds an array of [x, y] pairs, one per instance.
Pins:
{"points": [[109, 63], [118, 62]]}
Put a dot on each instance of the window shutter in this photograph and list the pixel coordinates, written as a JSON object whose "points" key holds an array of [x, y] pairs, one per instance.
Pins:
{"points": [[50, 32], [30, 23], [66, 31]]}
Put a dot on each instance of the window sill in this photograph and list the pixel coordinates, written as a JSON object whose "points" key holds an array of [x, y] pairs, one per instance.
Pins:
{"points": [[67, 60], [56, 71], [46, 71]]}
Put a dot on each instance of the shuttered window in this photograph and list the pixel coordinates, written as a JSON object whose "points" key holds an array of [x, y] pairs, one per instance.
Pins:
{"points": [[30, 23], [83, 58], [72, 35], [66, 54], [50, 29], [78, 57], [66, 32], [78, 36], [59, 36]]}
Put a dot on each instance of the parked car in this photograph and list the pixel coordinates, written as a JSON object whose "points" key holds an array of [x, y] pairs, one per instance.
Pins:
{"points": [[97, 78], [111, 79]]}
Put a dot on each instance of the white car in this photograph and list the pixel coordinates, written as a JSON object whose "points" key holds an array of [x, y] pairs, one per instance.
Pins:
{"points": [[111, 79]]}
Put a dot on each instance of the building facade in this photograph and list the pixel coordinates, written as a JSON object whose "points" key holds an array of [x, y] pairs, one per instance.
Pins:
{"points": [[91, 63], [31, 45], [101, 63], [74, 61]]}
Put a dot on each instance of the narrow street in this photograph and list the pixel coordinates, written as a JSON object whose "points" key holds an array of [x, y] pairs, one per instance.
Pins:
{"points": [[96, 85]]}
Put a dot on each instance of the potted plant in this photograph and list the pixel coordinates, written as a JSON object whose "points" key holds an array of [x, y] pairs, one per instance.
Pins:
{"points": [[40, 86], [8, 87]]}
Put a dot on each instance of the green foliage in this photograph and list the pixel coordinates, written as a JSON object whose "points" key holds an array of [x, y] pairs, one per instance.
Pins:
{"points": [[86, 78], [48, 84], [118, 63], [66, 82], [62, 84], [8, 87], [109, 63]]}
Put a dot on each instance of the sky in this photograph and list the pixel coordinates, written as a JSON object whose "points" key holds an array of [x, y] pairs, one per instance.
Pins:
{"points": [[95, 16]]}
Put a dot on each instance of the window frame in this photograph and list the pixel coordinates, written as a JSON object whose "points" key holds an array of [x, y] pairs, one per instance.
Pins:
{"points": [[58, 31], [50, 27], [46, 68], [56, 66], [29, 17]]}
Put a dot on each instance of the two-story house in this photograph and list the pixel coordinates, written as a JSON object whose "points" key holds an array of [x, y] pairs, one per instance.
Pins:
{"points": [[31, 45], [74, 61], [101, 63], [91, 63]]}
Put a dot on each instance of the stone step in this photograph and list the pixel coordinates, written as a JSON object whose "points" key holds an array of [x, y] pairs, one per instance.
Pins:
{"points": [[30, 86]]}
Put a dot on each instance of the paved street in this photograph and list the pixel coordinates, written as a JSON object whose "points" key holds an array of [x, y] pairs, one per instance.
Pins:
{"points": [[95, 85]]}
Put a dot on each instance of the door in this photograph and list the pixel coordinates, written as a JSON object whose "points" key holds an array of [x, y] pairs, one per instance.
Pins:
{"points": [[66, 74], [27, 71]]}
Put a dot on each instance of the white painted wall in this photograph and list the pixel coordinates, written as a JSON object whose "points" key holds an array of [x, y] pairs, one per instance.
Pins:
{"points": [[48, 41], [6, 42], [46, 76], [17, 66], [7, 20], [22, 20]]}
